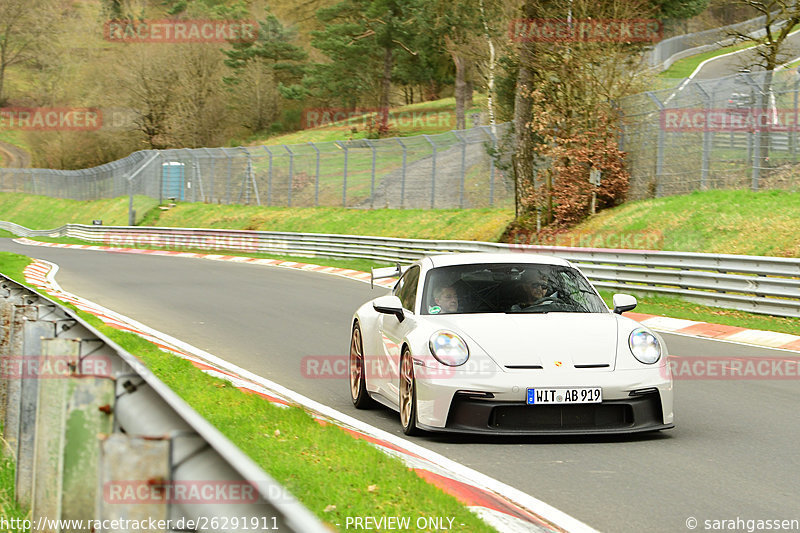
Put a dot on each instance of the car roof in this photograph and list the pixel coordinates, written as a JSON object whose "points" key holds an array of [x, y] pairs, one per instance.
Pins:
{"points": [[471, 258]]}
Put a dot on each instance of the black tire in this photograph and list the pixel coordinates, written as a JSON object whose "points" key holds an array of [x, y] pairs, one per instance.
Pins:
{"points": [[358, 379], [408, 395]]}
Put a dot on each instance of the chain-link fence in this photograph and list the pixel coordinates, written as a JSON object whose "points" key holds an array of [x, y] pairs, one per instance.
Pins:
{"points": [[735, 132], [457, 169], [666, 52]]}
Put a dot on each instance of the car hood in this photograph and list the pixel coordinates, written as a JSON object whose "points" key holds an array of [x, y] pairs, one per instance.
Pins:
{"points": [[548, 340]]}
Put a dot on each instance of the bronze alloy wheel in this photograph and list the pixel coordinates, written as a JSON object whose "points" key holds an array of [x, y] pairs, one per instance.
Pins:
{"points": [[408, 394], [358, 385]]}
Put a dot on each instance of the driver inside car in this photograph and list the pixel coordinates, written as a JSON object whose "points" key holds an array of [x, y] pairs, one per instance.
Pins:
{"points": [[533, 290]]}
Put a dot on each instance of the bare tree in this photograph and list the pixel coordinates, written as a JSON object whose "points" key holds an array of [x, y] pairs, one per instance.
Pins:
{"points": [[575, 76], [147, 80], [772, 49], [24, 24]]}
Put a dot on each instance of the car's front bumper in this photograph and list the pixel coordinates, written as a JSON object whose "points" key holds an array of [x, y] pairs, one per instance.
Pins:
{"points": [[633, 401]]}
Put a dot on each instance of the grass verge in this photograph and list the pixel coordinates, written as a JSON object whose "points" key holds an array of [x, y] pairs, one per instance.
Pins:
{"points": [[11, 512], [329, 471], [677, 308], [459, 224], [721, 221], [43, 212]]}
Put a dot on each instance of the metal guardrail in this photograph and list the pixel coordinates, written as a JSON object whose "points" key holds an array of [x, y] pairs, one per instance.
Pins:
{"points": [[767, 285], [99, 438]]}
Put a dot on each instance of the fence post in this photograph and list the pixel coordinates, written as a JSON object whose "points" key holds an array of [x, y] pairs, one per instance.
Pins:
{"points": [[705, 157], [433, 171], [489, 131], [251, 177], [229, 178], [316, 178], [757, 145], [291, 174], [131, 212], [372, 176], [402, 175], [344, 185], [200, 174], [463, 167], [793, 134], [269, 176], [660, 147]]}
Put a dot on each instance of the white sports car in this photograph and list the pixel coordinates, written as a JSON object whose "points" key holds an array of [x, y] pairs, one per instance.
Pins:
{"points": [[507, 343]]}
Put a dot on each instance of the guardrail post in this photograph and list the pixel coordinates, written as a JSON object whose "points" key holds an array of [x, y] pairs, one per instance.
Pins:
{"points": [[15, 315], [433, 171], [402, 175], [72, 410], [117, 472], [34, 330], [316, 176]]}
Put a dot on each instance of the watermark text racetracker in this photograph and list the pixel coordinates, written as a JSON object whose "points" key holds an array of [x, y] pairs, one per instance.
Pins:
{"points": [[201, 523], [183, 240], [729, 120], [50, 118], [181, 31], [638, 240], [53, 366], [733, 368], [365, 117], [586, 30]]}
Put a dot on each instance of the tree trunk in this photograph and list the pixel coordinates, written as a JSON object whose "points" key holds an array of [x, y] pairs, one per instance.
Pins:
{"points": [[386, 86], [460, 89], [490, 85], [522, 156], [2, 80]]}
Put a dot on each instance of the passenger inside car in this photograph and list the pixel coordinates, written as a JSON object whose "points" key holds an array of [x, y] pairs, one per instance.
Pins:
{"points": [[446, 298]]}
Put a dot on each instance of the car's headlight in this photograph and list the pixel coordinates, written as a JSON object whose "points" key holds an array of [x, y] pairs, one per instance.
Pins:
{"points": [[448, 348], [644, 346]]}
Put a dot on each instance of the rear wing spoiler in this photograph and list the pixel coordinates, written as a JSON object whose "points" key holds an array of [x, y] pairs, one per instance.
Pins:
{"points": [[386, 272]]}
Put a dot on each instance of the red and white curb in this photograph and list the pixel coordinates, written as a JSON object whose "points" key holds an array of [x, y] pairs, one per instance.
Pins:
{"points": [[770, 339], [500, 505], [720, 332]]}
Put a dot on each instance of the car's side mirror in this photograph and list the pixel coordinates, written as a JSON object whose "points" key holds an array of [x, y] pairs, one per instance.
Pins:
{"points": [[623, 302], [390, 305]]}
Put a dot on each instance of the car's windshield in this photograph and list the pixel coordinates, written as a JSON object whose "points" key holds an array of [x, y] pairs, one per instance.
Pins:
{"points": [[508, 288]]}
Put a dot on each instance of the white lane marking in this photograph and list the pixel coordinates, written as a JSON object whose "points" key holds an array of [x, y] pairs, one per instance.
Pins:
{"points": [[738, 343], [663, 324], [475, 478], [710, 59]]}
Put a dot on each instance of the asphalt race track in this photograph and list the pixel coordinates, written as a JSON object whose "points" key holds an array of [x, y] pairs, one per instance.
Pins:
{"points": [[733, 453]]}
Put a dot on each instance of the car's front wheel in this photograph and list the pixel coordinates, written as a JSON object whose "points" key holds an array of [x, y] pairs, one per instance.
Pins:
{"points": [[358, 380], [408, 394]]}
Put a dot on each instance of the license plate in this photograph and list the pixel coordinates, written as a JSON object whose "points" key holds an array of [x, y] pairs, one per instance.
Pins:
{"points": [[541, 396]]}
